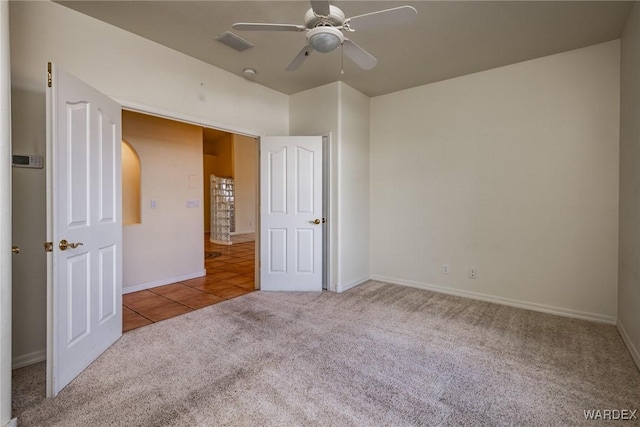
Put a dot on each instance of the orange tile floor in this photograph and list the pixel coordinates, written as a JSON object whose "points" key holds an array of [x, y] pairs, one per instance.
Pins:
{"points": [[228, 275]]}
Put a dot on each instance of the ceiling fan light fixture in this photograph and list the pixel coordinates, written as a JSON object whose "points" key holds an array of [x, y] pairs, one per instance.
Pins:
{"points": [[325, 39]]}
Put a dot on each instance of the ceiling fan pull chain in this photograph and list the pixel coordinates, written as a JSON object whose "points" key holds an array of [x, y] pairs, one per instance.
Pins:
{"points": [[342, 59]]}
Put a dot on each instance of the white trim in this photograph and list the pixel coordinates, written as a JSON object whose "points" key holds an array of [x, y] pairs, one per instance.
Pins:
{"points": [[342, 288], [567, 312], [5, 216], [198, 121], [29, 359], [162, 282], [326, 213], [12, 423], [635, 354], [186, 118]]}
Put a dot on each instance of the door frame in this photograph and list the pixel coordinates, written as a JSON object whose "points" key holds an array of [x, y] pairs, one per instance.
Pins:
{"points": [[200, 121], [5, 219]]}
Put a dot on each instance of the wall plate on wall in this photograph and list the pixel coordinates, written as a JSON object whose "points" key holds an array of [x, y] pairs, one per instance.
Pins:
{"points": [[33, 161]]}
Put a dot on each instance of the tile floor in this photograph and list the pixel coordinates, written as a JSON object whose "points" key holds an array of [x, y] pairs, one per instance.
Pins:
{"points": [[228, 276]]}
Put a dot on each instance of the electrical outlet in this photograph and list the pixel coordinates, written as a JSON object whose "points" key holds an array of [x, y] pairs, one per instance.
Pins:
{"points": [[154, 204], [473, 273], [445, 268]]}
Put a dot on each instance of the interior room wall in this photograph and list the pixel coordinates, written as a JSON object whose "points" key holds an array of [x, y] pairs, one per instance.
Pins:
{"points": [[245, 175], [209, 166], [167, 246], [343, 113], [131, 185], [29, 307], [126, 67], [353, 182], [512, 172], [629, 253], [223, 150]]}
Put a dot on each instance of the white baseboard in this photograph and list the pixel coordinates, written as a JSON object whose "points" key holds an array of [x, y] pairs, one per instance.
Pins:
{"points": [[29, 359], [12, 423], [567, 312], [635, 354], [162, 282], [341, 288], [242, 232]]}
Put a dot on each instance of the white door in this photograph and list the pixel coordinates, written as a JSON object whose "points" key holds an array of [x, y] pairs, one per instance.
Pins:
{"points": [[84, 209], [291, 213]]}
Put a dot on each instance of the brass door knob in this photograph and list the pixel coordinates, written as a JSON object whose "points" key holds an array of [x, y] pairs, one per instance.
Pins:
{"points": [[315, 221], [15, 249], [64, 245]]}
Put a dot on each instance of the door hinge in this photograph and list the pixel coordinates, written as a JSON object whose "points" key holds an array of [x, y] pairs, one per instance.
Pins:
{"points": [[49, 75], [48, 246]]}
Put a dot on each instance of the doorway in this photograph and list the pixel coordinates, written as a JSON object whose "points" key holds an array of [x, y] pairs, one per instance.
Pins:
{"points": [[173, 210]]}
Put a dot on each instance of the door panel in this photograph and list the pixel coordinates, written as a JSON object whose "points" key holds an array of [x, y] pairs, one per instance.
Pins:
{"points": [[304, 181], [84, 209], [291, 195], [108, 285], [277, 181]]}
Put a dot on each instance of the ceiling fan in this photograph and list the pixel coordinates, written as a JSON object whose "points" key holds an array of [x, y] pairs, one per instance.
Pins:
{"points": [[325, 26]]}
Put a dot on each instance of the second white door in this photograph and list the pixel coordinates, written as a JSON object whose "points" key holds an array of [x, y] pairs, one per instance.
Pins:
{"points": [[291, 219]]}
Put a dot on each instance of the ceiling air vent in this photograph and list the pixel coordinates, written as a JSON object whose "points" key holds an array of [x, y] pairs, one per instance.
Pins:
{"points": [[234, 41]]}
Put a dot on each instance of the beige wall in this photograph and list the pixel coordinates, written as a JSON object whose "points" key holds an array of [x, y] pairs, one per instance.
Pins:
{"points": [[168, 245], [29, 306], [344, 116], [218, 161], [353, 184], [629, 264], [131, 185], [223, 150], [245, 175], [126, 67], [513, 172], [209, 166]]}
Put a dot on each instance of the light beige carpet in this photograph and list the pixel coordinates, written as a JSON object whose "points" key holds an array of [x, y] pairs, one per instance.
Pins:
{"points": [[376, 355]]}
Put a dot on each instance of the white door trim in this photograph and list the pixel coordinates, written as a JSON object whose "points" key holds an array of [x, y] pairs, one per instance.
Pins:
{"points": [[137, 107], [5, 218], [326, 208], [200, 121], [185, 118]]}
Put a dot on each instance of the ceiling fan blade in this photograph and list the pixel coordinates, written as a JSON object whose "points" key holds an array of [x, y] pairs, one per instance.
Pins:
{"points": [[299, 58], [358, 55], [255, 26], [320, 7], [388, 17]]}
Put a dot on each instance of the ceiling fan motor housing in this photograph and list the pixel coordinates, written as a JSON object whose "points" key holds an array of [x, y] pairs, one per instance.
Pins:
{"points": [[336, 18]]}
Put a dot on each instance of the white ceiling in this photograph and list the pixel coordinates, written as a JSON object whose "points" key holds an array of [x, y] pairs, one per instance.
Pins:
{"points": [[447, 39]]}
